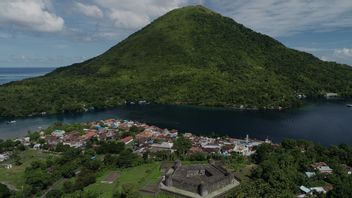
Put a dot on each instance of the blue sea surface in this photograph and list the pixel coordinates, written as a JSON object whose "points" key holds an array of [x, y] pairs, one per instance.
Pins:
{"points": [[8, 74], [325, 122]]}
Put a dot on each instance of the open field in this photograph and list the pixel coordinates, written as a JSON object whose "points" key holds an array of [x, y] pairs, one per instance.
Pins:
{"points": [[244, 173], [146, 175], [15, 175], [140, 176]]}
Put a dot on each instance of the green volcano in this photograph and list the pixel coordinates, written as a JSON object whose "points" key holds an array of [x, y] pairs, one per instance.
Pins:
{"points": [[190, 55]]}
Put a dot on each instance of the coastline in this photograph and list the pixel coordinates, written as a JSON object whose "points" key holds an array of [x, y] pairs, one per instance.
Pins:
{"points": [[307, 122]]}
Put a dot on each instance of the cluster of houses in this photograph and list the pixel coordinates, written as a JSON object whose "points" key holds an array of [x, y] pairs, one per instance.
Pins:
{"points": [[320, 168], [148, 138], [225, 146], [155, 139], [103, 131]]}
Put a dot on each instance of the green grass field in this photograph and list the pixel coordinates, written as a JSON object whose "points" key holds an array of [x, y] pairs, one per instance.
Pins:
{"points": [[15, 175], [140, 176], [147, 174], [244, 173]]}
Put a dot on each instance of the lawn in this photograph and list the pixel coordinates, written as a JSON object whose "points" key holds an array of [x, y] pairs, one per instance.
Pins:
{"points": [[140, 176], [15, 175], [161, 195], [244, 173]]}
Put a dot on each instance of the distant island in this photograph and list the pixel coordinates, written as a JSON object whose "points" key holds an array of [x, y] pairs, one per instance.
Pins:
{"points": [[190, 55]]}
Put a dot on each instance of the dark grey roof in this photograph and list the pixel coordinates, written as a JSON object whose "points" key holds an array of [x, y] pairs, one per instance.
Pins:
{"points": [[212, 174]]}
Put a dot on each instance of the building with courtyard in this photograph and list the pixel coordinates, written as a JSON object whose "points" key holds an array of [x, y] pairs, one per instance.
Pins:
{"points": [[198, 180]]}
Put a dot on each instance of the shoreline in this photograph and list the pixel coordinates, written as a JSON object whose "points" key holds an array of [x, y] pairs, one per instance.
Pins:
{"points": [[144, 136], [304, 103], [301, 123]]}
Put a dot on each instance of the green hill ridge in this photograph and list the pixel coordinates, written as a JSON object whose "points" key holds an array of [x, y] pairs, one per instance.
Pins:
{"points": [[190, 55]]}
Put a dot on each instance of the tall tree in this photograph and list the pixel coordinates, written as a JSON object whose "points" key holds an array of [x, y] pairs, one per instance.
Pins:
{"points": [[182, 145]]}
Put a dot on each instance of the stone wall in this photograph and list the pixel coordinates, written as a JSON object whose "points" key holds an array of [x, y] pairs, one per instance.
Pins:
{"points": [[206, 185], [185, 185]]}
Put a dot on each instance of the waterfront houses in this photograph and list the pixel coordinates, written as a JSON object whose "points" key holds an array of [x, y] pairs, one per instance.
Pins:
{"points": [[127, 139], [153, 143], [145, 138]]}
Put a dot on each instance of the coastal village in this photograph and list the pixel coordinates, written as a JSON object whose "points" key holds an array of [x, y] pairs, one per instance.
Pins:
{"points": [[150, 138], [144, 139], [203, 73]]}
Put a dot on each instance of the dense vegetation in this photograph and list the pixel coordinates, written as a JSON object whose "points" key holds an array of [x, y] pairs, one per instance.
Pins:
{"points": [[188, 56], [276, 170], [280, 170], [74, 168]]}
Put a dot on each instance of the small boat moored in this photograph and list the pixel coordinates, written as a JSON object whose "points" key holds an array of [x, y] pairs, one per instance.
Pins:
{"points": [[11, 122], [349, 105]]}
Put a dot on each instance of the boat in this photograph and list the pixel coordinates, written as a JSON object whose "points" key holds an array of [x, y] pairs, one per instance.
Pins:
{"points": [[11, 122], [349, 105]]}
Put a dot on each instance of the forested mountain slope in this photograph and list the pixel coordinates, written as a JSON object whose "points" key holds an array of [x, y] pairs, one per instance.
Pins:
{"points": [[190, 55]]}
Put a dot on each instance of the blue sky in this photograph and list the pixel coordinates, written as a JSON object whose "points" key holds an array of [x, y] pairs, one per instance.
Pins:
{"points": [[51, 33]]}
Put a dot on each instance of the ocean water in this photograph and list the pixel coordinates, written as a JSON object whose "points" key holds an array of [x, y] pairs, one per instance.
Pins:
{"points": [[323, 122], [8, 74], [327, 122]]}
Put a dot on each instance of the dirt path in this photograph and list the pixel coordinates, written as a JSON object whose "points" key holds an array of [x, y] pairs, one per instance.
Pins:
{"points": [[52, 186], [10, 186]]}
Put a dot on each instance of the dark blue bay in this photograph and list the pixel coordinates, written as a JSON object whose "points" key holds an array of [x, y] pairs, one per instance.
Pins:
{"points": [[322, 122]]}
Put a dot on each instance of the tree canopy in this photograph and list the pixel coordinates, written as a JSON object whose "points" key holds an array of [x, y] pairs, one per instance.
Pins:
{"points": [[191, 55]]}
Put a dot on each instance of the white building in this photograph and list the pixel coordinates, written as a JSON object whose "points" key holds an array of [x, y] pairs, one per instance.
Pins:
{"points": [[309, 174], [58, 133], [3, 157], [36, 146], [165, 146]]}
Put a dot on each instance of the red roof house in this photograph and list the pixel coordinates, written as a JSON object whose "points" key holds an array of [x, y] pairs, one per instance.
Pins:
{"points": [[90, 135], [127, 139]]}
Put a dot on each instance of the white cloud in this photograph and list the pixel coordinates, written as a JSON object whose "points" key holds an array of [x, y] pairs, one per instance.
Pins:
{"points": [[324, 58], [272, 17], [128, 19], [283, 18], [31, 15], [135, 14], [341, 55], [89, 10], [344, 52]]}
